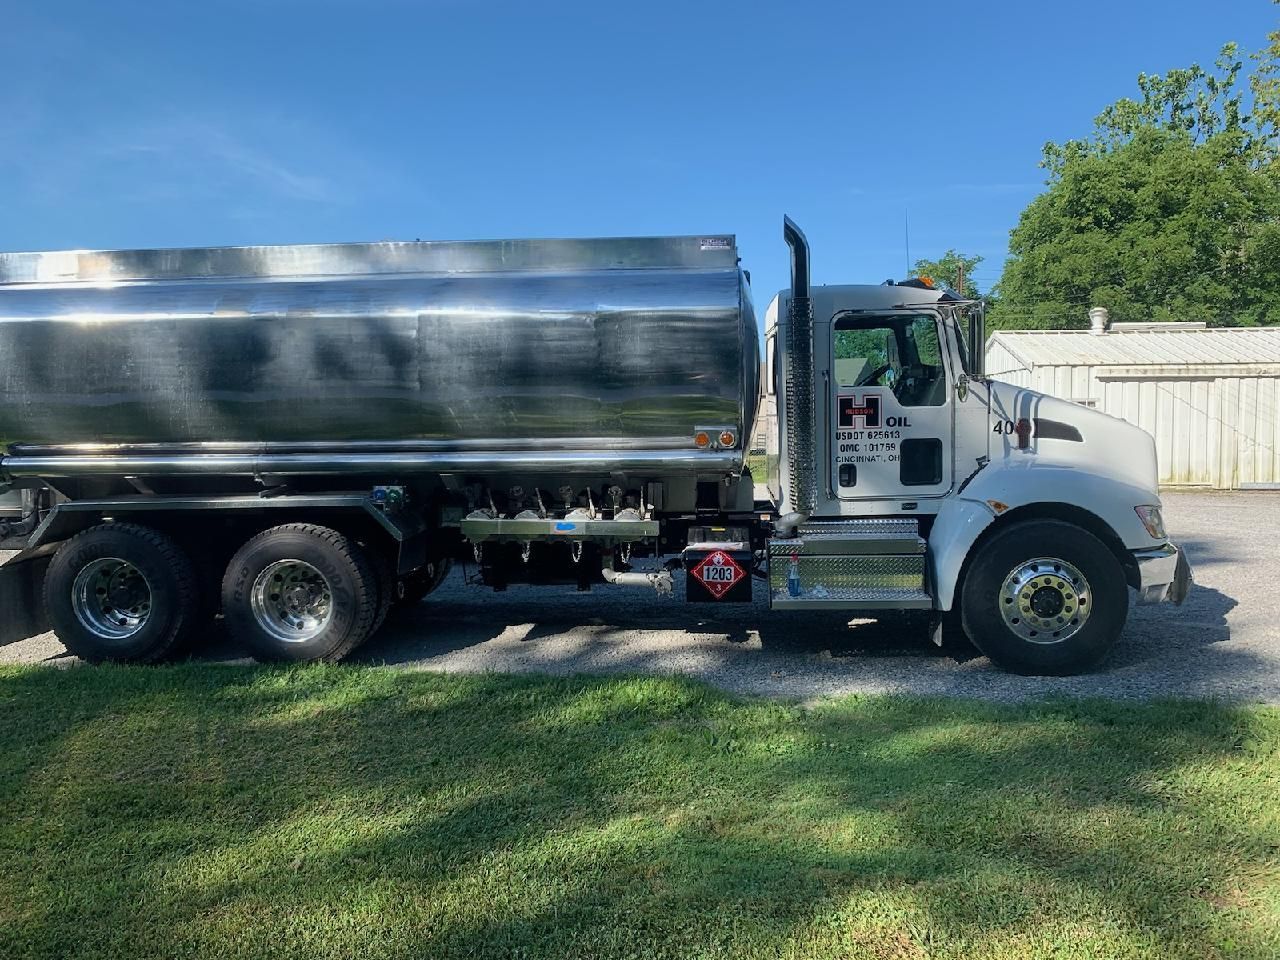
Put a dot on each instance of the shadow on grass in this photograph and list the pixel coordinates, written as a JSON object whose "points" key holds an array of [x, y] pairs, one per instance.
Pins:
{"points": [[216, 811]]}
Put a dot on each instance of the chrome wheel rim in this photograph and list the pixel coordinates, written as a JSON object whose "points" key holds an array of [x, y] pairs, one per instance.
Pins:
{"points": [[111, 598], [1045, 600], [292, 601]]}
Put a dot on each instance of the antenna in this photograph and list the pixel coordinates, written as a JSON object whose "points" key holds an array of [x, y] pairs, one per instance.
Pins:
{"points": [[906, 238]]}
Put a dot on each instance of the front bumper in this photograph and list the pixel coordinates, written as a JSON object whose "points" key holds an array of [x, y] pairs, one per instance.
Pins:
{"points": [[1163, 574]]}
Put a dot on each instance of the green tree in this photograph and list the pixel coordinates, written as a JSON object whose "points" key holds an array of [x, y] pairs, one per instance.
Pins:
{"points": [[945, 270], [1265, 86], [1169, 210]]}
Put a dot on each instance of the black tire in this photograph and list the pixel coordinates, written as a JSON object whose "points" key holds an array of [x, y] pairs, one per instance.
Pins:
{"points": [[209, 565], [982, 597], [83, 614], [415, 587], [388, 584], [349, 586]]}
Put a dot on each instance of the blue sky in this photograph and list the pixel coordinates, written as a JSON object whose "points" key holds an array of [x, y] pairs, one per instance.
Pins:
{"points": [[126, 124]]}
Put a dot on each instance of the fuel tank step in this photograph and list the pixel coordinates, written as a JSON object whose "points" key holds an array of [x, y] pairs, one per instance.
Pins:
{"points": [[850, 564], [857, 600], [857, 537]]}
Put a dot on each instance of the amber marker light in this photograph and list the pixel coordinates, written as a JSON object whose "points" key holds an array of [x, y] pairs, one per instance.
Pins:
{"points": [[1023, 429], [727, 439], [702, 439]]}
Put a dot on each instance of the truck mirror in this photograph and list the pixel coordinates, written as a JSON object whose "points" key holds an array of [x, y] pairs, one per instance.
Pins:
{"points": [[978, 339]]}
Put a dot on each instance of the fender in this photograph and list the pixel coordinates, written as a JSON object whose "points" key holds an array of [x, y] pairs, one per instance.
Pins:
{"points": [[957, 528], [1002, 487]]}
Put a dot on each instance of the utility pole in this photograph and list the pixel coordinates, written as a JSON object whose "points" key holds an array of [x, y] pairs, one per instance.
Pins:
{"points": [[960, 278]]}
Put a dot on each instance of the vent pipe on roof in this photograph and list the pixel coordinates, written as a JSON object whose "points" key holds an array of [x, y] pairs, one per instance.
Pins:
{"points": [[1099, 320]]}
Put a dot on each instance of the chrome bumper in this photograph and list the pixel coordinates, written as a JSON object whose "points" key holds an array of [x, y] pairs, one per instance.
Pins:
{"points": [[1163, 574]]}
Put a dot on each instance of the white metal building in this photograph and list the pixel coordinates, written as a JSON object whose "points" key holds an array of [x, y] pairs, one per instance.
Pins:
{"points": [[1210, 397]]}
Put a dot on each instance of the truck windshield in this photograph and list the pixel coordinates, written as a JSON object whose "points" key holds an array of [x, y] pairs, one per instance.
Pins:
{"points": [[898, 352]]}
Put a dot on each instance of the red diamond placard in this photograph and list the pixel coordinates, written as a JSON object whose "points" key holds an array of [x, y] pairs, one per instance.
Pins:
{"points": [[718, 572]]}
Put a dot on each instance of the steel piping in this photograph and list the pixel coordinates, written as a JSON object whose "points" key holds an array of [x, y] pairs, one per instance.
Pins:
{"points": [[666, 462]]}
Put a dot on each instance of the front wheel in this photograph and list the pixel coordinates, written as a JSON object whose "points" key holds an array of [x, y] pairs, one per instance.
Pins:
{"points": [[1044, 597]]}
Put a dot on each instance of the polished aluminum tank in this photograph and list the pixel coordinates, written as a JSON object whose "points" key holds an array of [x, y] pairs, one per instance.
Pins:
{"points": [[602, 349]]}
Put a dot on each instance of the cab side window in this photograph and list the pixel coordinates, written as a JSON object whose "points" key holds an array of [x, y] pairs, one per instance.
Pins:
{"points": [[901, 353]]}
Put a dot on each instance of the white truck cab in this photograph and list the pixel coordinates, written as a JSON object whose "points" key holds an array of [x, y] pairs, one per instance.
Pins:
{"points": [[905, 475]]}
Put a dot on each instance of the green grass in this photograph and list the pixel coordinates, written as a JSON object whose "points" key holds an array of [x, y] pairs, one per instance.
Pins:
{"points": [[206, 811]]}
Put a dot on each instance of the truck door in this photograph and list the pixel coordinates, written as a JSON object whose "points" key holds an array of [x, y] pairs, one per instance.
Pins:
{"points": [[891, 407]]}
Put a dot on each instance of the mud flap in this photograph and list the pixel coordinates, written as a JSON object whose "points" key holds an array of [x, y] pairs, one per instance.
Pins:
{"points": [[1181, 585], [22, 612]]}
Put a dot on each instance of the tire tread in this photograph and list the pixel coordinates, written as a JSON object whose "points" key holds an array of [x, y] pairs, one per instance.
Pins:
{"points": [[367, 620], [184, 579], [988, 633]]}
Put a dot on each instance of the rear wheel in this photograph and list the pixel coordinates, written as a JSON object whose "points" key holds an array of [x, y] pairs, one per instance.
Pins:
{"points": [[121, 592], [1045, 597], [300, 593]]}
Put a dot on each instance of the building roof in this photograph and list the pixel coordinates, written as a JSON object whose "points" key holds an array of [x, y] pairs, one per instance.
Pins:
{"points": [[1136, 348]]}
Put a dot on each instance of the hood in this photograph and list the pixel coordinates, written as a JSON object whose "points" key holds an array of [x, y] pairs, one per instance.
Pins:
{"points": [[1073, 436]]}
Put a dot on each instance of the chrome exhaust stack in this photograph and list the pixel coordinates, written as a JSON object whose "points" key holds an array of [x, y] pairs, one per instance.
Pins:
{"points": [[802, 488]]}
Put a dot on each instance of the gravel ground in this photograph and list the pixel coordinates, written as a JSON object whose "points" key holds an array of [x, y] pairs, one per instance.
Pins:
{"points": [[1221, 643]]}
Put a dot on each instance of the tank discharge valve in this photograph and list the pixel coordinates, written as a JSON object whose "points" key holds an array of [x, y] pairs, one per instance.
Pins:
{"points": [[661, 580]]}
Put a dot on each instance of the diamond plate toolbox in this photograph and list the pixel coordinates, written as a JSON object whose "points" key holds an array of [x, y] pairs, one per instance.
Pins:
{"points": [[833, 575]]}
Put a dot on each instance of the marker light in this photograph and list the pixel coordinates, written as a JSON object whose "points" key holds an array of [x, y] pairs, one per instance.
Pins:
{"points": [[702, 439], [1023, 429], [1153, 520], [727, 438]]}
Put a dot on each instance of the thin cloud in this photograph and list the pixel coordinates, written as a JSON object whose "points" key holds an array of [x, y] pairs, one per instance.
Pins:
{"points": [[945, 190], [993, 188], [256, 161], [273, 174], [180, 149]]}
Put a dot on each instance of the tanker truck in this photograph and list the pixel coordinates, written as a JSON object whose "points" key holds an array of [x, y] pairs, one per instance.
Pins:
{"points": [[296, 438]]}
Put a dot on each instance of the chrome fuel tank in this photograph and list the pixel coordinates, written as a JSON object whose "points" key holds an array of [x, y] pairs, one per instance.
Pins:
{"points": [[477, 347]]}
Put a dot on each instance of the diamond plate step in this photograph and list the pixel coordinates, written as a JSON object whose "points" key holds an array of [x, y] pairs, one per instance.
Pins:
{"points": [[879, 527], [854, 599], [854, 537]]}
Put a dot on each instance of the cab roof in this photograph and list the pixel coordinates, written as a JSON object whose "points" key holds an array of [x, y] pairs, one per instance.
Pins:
{"points": [[831, 299]]}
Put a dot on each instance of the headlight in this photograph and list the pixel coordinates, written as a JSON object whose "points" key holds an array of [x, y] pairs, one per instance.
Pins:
{"points": [[1152, 520]]}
